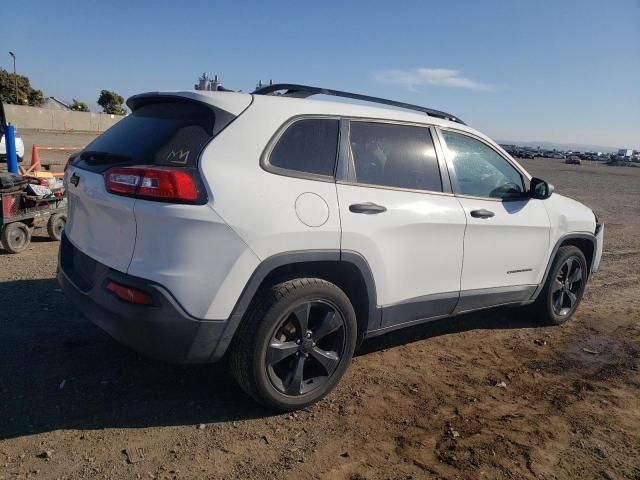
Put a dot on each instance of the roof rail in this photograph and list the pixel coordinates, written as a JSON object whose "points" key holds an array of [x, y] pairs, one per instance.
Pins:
{"points": [[304, 91]]}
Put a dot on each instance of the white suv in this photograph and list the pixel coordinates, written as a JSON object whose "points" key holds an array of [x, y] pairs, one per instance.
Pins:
{"points": [[282, 231], [3, 147]]}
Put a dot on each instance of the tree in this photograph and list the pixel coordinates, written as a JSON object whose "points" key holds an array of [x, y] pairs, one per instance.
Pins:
{"points": [[111, 103], [27, 95], [79, 106]]}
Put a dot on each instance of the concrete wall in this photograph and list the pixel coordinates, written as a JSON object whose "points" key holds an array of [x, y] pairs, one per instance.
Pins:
{"points": [[59, 120]]}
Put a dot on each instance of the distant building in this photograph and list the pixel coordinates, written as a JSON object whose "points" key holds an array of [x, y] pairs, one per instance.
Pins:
{"points": [[260, 84], [54, 104], [208, 84], [625, 152]]}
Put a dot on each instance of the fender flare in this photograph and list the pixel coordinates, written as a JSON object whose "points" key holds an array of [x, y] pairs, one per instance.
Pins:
{"points": [[581, 236], [270, 264]]}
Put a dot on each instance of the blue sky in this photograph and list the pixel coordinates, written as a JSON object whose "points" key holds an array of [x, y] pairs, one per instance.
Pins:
{"points": [[563, 71]]}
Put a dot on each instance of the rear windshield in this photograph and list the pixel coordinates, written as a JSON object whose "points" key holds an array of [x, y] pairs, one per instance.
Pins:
{"points": [[171, 133]]}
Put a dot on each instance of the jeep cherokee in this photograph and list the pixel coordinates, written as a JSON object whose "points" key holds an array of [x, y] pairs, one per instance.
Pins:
{"points": [[280, 231]]}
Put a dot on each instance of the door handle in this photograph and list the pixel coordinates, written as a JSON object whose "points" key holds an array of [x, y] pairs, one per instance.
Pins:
{"points": [[482, 213], [368, 208]]}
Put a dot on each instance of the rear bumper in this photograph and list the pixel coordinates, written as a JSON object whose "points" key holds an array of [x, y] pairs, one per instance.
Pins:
{"points": [[162, 330]]}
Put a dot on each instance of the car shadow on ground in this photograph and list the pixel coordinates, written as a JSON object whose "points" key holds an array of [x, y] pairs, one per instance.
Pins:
{"points": [[490, 319], [59, 371]]}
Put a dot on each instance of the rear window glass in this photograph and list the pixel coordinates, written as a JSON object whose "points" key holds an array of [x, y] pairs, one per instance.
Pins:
{"points": [[168, 133], [308, 146]]}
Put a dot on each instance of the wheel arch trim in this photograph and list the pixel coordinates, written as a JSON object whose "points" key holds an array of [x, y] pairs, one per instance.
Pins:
{"points": [[271, 264], [565, 239]]}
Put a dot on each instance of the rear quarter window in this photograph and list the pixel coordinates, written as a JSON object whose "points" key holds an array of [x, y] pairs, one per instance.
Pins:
{"points": [[307, 146]]}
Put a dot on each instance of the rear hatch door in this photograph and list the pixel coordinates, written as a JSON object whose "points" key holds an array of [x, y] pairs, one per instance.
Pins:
{"points": [[101, 225], [162, 130]]}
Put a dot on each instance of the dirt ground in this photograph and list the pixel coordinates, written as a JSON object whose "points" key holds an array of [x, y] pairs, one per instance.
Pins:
{"points": [[428, 402]]}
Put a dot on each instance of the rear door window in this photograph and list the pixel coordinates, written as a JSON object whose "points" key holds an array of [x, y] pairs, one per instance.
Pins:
{"points": [[308, 146], [168, 133], [401, 156]]}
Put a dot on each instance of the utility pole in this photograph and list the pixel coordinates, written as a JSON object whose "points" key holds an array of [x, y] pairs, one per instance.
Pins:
{"points": [[15, 76]]}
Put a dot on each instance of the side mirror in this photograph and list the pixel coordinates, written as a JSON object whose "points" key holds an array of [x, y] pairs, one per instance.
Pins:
{"points": [[539, 189]]}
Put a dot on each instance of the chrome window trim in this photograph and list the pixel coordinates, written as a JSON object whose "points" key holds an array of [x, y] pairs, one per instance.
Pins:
{"points": [[526, 178], [397, 189], [266, 165]]}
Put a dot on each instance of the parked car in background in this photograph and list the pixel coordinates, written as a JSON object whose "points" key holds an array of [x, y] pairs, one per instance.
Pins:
{"points": [[280, 232], [525, 154], [3, 147], [573, 160]]}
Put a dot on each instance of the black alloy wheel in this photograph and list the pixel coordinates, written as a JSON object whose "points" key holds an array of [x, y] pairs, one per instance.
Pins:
{"points": [[564, 286], [306, 348], [294, 343], [567, 287]]}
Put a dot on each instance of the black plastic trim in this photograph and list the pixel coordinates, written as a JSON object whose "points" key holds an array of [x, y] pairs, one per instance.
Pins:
{"points": [[441, 305], [344, 165], [287, 258], [163, 330], [445, 176], [166, 331], [493, 297], [401, 325], [375, 313], [424, 307]]}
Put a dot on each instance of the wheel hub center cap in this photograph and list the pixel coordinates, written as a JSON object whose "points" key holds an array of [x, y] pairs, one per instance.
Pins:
{"points": [[307, 345]]}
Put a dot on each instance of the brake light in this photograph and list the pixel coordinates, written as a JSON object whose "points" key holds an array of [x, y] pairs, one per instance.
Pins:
{"points": [[153, 183], [129, 294]]}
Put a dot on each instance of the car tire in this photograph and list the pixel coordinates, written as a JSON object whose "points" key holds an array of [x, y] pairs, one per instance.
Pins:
{"points": [[55, 226], [563, 288], [16, 237], [294, 344]]}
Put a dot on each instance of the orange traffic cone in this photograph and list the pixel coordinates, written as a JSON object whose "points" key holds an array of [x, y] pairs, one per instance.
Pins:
{"points": [[35, 160]]}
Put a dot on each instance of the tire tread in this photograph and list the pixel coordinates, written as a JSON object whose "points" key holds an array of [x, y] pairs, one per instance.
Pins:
{"points": [[242, 350], [540, 308]]}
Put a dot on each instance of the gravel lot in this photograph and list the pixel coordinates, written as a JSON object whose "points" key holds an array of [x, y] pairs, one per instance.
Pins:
{"points": [[422, 403]]}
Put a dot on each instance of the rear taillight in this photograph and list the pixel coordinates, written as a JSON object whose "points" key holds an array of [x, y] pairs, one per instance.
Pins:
{"points": [[153, 183], [129, 294]]}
